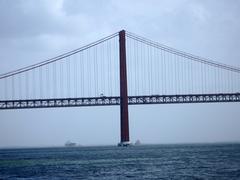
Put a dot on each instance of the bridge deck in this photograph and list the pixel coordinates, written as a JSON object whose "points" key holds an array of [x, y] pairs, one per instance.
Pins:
{"points": [[109, 101]]}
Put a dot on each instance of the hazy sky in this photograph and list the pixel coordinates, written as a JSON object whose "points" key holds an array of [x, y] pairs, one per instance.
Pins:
{"points": [[32, 31]]}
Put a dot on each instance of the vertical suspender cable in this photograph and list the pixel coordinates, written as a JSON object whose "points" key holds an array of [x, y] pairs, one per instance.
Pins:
{"points": [[13, 88], [55, 94], [136, 67], [95, 70], [5, 88], [27, 90], [33, 84], [20, 86]]}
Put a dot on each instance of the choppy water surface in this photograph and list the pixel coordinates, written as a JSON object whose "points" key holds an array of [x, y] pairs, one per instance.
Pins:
{"points": [[209, 161]]}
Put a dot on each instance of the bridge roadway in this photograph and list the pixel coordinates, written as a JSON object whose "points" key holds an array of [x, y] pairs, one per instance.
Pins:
{"points": [[115, 100]]}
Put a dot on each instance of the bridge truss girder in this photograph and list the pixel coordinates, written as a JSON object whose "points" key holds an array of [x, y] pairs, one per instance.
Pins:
{"points": [[115, 100]]}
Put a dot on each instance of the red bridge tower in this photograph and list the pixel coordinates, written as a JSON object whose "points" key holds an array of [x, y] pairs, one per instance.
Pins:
{"points": [[123, 91]]}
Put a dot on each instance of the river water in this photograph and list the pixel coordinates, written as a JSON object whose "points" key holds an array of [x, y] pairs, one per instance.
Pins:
{"points": [[189, 161]]}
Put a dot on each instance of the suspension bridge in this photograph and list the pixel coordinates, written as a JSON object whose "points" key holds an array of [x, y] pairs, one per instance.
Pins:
{"points": [[120, 69]]}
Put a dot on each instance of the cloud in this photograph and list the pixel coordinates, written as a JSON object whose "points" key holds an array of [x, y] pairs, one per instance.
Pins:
{"points": [[26, 18], [32, 31], [53, 27]]}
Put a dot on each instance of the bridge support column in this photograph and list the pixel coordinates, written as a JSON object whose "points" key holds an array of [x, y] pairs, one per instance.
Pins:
{"points": [[123, 91]]}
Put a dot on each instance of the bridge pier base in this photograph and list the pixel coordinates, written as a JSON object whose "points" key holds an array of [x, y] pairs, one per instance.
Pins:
{"points": [[125, 144]]}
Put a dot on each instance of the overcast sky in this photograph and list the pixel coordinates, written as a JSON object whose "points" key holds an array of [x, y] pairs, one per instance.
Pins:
{"points": [[32, 31]]}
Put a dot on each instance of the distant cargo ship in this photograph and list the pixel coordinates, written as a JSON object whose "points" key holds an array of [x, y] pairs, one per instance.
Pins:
{"points": [[70, 144]]}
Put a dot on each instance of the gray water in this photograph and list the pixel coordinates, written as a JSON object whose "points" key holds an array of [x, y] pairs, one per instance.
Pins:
{"points": [[199, 161]]}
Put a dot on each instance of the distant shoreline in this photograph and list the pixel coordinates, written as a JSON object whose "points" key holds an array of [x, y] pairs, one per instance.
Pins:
{"points": [[106, 145]]}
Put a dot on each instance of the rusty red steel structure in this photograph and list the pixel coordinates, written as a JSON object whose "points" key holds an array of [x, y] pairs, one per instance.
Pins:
{"points": [[124, 123], [231, 95]]}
